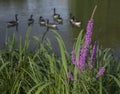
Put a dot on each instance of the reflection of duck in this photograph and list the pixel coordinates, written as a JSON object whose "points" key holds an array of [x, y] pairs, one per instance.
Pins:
{"points": [[55, 15], [51, 25], [42, 21], [74, 21], [30, 20], [14, 22]]}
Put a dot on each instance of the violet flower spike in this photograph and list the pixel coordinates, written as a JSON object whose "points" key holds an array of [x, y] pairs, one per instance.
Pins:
{"points": [[73, 58], [93, 56], [70, 75], [80, 54], [86, 47], [100, 72]]}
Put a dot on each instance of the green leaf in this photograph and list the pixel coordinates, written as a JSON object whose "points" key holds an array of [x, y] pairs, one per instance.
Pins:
{"points": [[115, 79], [40, 88], [3, 66], [62, 50]]}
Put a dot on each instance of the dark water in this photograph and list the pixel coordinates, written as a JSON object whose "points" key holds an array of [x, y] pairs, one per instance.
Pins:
{"points": [[107, 21], [106, 27]]}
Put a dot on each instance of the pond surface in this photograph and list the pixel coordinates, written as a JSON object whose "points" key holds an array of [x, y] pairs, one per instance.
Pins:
{"points": [[106, 28]]}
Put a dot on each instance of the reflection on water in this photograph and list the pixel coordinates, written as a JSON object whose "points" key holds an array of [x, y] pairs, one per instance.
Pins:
{"points": [[107, 18]]}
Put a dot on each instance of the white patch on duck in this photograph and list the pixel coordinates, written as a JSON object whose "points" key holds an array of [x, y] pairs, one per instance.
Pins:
{"points": [[51, 25], [55, 15], [42, 21], [74, 21], [14, 22]]}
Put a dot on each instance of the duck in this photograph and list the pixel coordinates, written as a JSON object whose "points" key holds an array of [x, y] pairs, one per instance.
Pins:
{"points": [[59, 20], [30, 20], [42, 21], [51, 25], [13, 22], [74, 21], [55, 15]]}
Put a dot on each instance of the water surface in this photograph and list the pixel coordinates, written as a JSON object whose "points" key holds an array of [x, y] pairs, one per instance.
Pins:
{"points": [[106, 28]]}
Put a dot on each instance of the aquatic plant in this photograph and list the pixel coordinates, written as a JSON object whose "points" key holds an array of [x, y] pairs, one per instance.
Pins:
{"points": [[93, 56], [42, 71]]}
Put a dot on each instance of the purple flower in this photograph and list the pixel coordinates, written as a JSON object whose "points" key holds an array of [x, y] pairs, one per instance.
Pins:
{"points": [[100, 72], [80, 53], [70, 75], [86, 46], [93, 56], [73, 58]]}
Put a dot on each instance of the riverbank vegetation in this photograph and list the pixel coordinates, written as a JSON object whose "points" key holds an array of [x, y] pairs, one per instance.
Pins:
{"points": [[43, 72], [88, 69]]}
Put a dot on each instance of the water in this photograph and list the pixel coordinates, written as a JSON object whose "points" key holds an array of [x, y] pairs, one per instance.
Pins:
{"points": [[107, 21], [106, 28], [24, 8]]}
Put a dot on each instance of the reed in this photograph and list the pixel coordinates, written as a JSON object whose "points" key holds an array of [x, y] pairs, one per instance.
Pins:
{"points": [[42, 71]]}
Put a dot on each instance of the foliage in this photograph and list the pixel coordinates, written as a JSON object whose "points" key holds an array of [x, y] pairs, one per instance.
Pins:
{"points": [[43, 72]]}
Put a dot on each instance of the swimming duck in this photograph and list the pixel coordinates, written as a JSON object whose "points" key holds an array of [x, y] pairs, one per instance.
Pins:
{"points": [[51, 25], [55, 15], [30, 20], [74, 21], [14, 22], [42, 21], [59, 20]]}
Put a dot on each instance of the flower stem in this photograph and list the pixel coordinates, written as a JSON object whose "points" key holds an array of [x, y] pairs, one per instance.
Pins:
{"points": [[93, 11], [100, 85]]}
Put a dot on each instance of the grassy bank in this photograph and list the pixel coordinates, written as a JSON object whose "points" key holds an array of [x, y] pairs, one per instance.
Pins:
{"points": [[43, 72]]}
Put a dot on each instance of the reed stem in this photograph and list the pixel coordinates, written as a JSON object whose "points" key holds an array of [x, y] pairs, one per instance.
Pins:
{"points": [[93, 11]]}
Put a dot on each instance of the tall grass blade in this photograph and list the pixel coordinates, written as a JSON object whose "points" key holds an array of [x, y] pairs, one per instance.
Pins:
{"points": [[18, 88], [116, 80], [3, 66], [85, 88], [78, 43], [34, 88], [40, 88], [62, 51], [64, 61]]}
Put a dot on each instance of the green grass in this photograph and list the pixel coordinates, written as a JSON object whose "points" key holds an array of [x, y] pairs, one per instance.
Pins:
{"points": [[43, 72]]}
